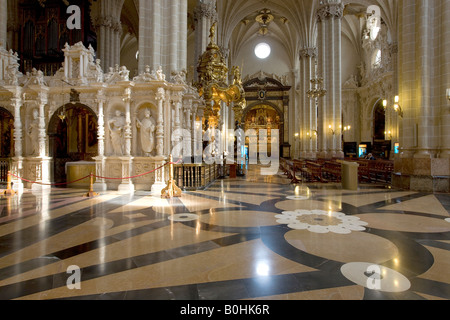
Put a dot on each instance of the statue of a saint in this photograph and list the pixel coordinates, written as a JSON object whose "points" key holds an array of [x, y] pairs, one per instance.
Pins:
{"points": [[116, 129], [147, 127], [33, 133]]}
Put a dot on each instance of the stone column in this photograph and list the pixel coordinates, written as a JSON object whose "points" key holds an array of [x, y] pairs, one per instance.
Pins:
{"points": [[40, 166], [109, 30], [445, 80], [424, 71], [100, 183], [18, 136], [160, 98], [188, 127], [42, 101], [329, 16], [3, 23], [127, 131], [163, 35], [101, 99], [204, 15], [308, 73]]}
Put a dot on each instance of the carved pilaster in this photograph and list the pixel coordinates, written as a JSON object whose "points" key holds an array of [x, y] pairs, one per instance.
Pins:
{"points": [[160, 98]]}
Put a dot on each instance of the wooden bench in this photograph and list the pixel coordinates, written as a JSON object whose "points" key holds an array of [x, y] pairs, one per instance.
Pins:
{"points": [[375, 170], [332, 171], [381, 171], [290, 170], [312, 172]]}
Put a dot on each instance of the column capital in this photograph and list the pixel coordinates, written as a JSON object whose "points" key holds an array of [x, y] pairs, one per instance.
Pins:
{"points": [[330, 10], [161, 94], [205, 10], [308, 52]]}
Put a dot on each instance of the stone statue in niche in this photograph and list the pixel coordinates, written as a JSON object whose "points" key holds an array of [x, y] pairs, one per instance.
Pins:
{"points": [[33, 133], [147, 128], [116, 129]]}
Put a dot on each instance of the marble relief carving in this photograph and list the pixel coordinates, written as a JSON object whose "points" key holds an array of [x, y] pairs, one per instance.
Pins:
{"points": [[123, 127]]}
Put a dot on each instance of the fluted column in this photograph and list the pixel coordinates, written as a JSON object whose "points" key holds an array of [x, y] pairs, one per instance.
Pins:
{"points": [[101, 99], [3, 23], [17, 102], [163, 35], [100, 183], [160, 98], [204, 15], [176, 109], [329, 16], [109, 31], [308, 56], [42, 101], [425, 73], [127, 131], [445, 80]]}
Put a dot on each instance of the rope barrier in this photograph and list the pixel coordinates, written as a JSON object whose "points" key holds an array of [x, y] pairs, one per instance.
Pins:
{"points": [[49, 184], [91, 176]]}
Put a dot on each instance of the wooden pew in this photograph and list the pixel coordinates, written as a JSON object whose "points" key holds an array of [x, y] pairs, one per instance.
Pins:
{"points": [[313, 172], [332, 171]]}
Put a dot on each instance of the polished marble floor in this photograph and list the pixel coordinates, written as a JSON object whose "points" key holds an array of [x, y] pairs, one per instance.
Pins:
{"points": [[251, 238]]}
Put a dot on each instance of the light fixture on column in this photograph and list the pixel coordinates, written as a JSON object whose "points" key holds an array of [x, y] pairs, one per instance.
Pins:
{"points": [[397, 106], [388, 134], [331, 128], [385, 102], [448, 94]]}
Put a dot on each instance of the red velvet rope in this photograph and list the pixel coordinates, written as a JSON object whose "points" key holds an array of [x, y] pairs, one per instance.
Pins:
{"points": [[98, 177]]}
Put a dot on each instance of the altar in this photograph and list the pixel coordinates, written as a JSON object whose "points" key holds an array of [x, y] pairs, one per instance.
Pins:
{"points": [[78, 170]]}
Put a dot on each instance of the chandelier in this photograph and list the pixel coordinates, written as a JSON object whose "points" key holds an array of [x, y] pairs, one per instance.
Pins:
{"points": [[317, 91], [212, 82]]}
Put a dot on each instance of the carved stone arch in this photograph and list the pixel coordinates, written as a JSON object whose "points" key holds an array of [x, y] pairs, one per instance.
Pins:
{"points": [[256, 104], [73, 136]]}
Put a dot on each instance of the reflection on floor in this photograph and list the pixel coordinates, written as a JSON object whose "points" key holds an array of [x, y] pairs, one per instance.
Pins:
{"points": [[256, 237]]}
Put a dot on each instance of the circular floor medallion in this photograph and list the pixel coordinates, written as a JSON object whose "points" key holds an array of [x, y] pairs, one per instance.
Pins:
{"points": [[320, 221], [375, 277]]}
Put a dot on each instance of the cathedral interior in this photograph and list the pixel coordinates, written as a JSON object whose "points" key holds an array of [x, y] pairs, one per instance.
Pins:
{"points": [[225, 149]]}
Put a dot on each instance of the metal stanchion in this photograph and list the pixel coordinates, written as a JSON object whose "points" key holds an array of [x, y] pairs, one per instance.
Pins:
{"points": [[91, 193], [171, 190], [9, 191]]}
